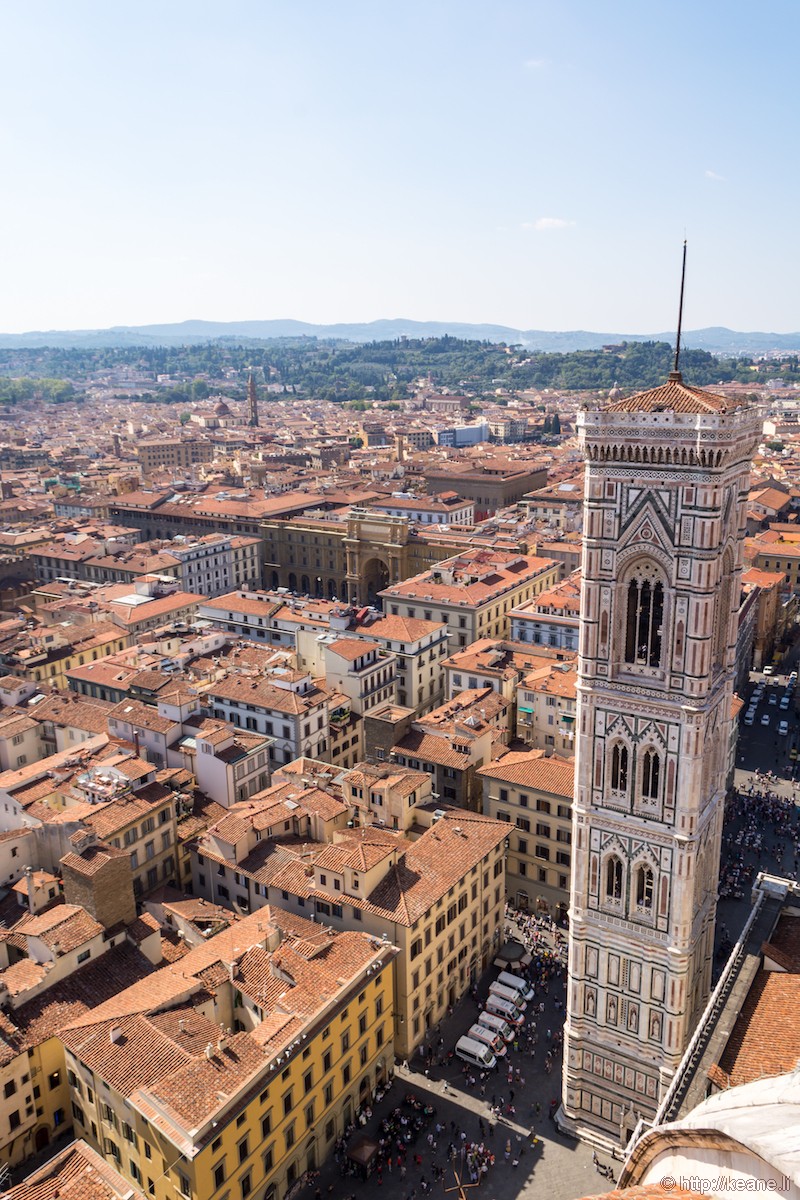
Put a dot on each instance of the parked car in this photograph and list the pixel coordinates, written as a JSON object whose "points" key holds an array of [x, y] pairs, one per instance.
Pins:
{"points": [[783, 728], [765, 719], [769, 669]]}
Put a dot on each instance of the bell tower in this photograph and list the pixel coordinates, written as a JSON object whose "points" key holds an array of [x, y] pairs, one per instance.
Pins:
{"points": [[252, 401], [667, 477]]}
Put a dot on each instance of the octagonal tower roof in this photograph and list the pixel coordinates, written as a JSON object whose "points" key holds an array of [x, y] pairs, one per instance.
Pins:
{"points": [[675, 396]]}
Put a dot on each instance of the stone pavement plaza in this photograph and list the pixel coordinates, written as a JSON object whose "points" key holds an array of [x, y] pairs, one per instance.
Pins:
{"points": [[558, 1168]]}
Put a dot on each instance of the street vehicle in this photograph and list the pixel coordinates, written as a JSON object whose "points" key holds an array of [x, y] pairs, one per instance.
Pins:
{"points": [[517, 982], [508, 993], [479, 1033], [765, 719], [497, 1025], [476, 1053], [769, 669], [505, 1009], [783, 728]]}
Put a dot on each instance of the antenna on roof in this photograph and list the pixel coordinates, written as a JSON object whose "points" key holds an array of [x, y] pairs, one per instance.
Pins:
{"points": [[675, 372]]}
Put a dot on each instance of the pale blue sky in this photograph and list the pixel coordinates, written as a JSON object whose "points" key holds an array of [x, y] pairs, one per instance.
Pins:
{"points": [[528, 162]]}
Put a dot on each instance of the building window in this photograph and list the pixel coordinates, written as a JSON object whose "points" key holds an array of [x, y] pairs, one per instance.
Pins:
{"points": [[614, 878], [645, 616], [651, 772], [619, 767], [644, 889]]}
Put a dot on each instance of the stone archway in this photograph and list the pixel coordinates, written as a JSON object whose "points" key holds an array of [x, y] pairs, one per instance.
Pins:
{"points": [[374, 577], [42, 1137]]}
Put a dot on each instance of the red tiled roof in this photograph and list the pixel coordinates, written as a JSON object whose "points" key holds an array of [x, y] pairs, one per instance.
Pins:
{"points": [[530, 768], [675, 396], [76, 1173], [765, 1040]]}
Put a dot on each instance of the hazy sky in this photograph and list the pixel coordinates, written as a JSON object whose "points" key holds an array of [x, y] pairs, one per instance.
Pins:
{"points": [[526, 162]]}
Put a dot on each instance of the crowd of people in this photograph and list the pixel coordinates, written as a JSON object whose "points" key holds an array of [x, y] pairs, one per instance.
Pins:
{"points": [[760, 823]]}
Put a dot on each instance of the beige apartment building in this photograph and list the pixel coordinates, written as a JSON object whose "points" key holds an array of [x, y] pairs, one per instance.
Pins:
{"points": [[472, 592], [438, 899], [173, 454], [237, 1087], [533, 793], [546, 708]]}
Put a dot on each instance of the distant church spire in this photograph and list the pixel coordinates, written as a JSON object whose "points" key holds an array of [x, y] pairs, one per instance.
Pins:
{"points": [[252, 400]]}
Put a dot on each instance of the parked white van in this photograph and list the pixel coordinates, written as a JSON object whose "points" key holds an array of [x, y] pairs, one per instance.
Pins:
{"points": [[476, 1053], [504, 1008], [517, 982], [508, 993], [479, 1033], [497, 1025]]}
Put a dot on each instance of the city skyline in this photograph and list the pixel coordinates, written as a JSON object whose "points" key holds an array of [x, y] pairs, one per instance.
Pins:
{"points": [[531, 165]]}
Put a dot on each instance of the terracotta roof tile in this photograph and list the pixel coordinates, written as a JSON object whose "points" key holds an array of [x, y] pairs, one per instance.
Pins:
{"points": [[77, 1173], [530, 768], [675, 396]]}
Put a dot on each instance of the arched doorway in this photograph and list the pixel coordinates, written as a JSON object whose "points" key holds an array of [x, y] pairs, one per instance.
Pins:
{"points": [[304, 585], [42, 1137], [374, 578], [331, 589]]}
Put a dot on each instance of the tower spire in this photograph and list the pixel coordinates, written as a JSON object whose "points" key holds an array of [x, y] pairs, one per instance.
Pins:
{"points": [[675, 373], [252, 400]]}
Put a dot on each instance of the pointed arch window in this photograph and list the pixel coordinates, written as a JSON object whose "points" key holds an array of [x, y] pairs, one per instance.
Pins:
{"points": [[614, 878], [644, 621], [651, 775], [644, 889], [619, 767]]}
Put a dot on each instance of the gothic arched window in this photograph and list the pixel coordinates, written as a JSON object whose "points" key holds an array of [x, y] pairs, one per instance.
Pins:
{"points": [[644, 620], [651, 775], [614, 878], [619, 767], [644, 888]]}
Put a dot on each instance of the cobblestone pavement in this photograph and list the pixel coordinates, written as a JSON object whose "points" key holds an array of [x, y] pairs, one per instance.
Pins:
{"points": [[557, 1167]]}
